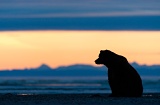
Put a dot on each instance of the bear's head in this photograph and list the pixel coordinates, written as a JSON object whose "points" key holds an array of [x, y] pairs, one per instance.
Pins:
{"points": [[107, 58]]}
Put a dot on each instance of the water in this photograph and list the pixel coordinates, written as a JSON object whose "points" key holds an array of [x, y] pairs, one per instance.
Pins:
{"points": [[64, 85]]}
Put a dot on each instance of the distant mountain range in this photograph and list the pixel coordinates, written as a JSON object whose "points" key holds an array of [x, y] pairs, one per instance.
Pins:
{"points": [[78, 70]]}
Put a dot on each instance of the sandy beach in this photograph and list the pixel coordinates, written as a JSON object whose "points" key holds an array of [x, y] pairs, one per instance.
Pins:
{"points": [[77, 99]]}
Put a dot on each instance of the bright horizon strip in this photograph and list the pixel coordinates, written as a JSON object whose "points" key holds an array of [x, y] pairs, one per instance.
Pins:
{"points": [[29, 49]]}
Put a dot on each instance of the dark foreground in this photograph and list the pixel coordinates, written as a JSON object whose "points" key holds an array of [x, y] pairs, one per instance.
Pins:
{"points": [[77, 99]]}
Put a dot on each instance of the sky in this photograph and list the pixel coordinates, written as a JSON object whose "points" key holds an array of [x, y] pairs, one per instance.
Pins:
{"points": [[64, 32], [77, 8], [26, 49], [79, 15]]}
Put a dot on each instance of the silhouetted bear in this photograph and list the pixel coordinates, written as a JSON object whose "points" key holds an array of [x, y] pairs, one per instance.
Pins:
{"points": [[123, 78]]}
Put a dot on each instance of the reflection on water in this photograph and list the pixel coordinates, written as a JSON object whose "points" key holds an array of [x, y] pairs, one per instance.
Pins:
{"points": [[66, 84], [63, 85]]}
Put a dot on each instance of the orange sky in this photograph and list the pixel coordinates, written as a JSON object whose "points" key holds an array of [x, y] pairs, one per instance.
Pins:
{"points": [[21, 49]]}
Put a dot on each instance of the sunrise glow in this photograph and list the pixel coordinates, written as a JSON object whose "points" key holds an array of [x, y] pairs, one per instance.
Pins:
{"points": [[27, 49]]}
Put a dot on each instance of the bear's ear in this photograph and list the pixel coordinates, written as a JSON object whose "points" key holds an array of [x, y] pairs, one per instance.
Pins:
{"points": [[101, 50]]}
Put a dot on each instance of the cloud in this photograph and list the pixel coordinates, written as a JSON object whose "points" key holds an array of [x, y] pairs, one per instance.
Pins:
{"points": [[90, 14], [76, 8]]}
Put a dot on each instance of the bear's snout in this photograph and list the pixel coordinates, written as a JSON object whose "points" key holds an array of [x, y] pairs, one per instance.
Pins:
{"points": [[98, 61]]}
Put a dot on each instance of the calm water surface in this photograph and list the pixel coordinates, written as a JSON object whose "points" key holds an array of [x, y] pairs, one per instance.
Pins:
{"points": [[62, 85]]}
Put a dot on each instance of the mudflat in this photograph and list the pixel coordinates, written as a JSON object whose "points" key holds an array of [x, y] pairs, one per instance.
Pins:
{"points": [[78, 99]]}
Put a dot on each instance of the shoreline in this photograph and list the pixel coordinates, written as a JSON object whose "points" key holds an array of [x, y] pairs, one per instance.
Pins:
{"points": [[80, 99]]}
